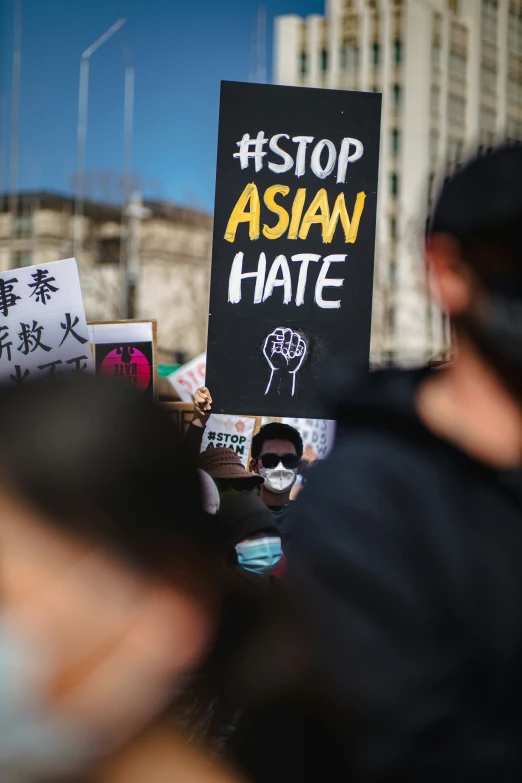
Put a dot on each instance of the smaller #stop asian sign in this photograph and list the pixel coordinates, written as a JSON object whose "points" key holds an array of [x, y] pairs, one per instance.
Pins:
{"points": [[43, 330], [232, 432]]}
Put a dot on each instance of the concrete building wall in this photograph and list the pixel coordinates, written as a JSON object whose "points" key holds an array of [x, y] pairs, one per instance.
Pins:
{"points": [[450, 72], [174, 264]]}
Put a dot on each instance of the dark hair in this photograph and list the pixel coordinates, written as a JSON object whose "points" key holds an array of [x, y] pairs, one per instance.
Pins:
{"points": [[480, 207], [276, 431], [98, 462]]}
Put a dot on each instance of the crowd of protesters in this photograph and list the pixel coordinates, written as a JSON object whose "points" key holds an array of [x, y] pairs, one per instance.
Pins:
{"points": [[169, 614]]}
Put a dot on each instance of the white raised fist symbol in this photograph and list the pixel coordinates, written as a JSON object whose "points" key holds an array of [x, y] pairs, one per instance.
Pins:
{"points": [[284, 350]]}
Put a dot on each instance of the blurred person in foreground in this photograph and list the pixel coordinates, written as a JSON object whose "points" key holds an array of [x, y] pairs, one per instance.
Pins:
{"points": [[211, 702], [410, 539], [258, 694], [108, 581], [259, 700]]}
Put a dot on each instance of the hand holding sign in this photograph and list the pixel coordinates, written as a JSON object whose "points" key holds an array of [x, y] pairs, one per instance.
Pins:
{"points": [[202, 407], [284, 350]]}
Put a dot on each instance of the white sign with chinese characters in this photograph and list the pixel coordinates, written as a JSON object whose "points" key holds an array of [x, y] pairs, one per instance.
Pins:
{"points": [[233, 432], [43, 330]]}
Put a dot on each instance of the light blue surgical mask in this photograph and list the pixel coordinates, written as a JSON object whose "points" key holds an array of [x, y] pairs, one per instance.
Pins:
{"points": [[35, 741], [259, 556]]}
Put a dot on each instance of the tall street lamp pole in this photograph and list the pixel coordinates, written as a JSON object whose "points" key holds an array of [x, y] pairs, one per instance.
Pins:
{"points": [[135, 212], [15, 117], [128, 122], [83, 98]]}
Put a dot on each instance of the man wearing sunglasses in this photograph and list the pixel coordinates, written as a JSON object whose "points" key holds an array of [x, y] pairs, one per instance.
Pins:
{"points": [[277, 450]]}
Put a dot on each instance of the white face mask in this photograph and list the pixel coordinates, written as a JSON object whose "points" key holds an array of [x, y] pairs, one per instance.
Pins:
{"points": [[35, 741], [278, 480]]}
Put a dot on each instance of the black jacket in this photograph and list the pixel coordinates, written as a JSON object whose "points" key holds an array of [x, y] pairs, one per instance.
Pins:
{"points": [[409, 555]]}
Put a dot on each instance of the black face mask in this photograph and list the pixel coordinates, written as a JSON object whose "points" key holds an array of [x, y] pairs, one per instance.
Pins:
{"points": [[497, 333]]}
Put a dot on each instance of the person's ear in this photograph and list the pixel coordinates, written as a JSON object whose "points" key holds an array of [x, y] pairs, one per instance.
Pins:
{"points": [[253, 466], [449, 277]]}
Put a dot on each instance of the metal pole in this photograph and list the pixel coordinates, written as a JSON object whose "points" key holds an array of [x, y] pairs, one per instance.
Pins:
{"points": [[3, 112], [136, 212], [15, 115], [34, 245], [83, 98], [118, 24], [128, 121], [83, 101], [127, 129], [261, 45], [133, 256], [252, 75]]}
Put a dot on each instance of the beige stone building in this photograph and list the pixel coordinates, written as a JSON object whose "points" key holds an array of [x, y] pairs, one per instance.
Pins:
{"points": [[175, 251], [450, 74]]}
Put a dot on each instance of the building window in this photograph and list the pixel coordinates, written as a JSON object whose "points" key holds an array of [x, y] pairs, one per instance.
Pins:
{"points": [[435, 99], [21, 258], [343, 58], [394, 185], [457, 110], [396, 95], [431, 188], [459, 152], [393, 228], [324, 60], [109, 250], [489, 79], [457, 66], [352, 56], [23, 227], [390, 312], [376, 53], [393, 272], [395, 141], [398, 51], [303, 63], [434, 144]]}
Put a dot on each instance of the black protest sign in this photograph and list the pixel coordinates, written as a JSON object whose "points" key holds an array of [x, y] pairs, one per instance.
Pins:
{"points": [[294, 236]]}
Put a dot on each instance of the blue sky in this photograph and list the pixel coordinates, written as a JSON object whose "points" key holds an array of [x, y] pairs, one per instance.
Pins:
{"points": [[181, 51]]}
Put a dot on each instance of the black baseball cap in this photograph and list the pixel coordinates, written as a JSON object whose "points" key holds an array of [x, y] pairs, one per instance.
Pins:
{"points": [[484, 197]]}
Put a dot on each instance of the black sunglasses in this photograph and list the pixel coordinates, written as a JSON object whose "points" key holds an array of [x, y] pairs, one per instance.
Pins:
{"points": [[270, 461]]}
